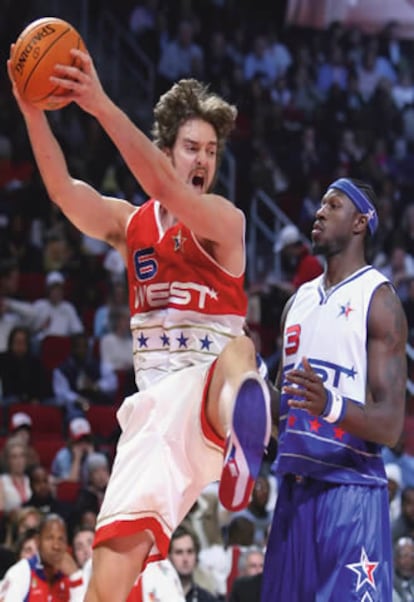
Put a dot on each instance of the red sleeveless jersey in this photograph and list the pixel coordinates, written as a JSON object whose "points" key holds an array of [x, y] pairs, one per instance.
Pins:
{"points": [[184, 306]]}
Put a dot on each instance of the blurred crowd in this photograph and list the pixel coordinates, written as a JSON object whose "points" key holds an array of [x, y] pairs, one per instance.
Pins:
{"points": [[313, 106]]}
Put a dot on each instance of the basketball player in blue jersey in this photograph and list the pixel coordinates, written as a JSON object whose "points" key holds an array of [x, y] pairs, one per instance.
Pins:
{"points": [[342, 386]]}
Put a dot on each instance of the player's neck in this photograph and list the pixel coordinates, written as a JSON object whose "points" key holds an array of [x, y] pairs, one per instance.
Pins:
{"points": [[337, 271]]}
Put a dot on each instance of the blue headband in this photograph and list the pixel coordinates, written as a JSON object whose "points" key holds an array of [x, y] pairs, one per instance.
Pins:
{"points": [[359, 199]]}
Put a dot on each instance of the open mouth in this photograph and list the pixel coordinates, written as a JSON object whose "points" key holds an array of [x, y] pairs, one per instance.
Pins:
{"points": [[198, 182]]}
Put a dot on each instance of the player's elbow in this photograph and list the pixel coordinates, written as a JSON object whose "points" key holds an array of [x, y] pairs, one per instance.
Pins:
{"points": [[392, 432], [62, 191]]}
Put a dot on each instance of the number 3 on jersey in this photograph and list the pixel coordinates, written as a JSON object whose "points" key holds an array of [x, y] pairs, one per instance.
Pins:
{"points": [[292, 339]]}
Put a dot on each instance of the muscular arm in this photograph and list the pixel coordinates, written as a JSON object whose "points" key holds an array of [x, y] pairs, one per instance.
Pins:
{"points": [[100, 217], [381, 419]]}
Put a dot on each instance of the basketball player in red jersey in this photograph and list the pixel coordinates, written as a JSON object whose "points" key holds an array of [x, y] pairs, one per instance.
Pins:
{"points": [[200, 397]]}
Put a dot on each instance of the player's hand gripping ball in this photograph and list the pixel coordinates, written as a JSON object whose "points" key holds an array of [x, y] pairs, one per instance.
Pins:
{"points": [[40, 46]]}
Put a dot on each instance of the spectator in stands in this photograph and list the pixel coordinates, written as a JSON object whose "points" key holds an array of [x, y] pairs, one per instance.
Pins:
{"points": [[52, 315], [223, 561], [183, 553], [8, 321], [181, 57], [402, 91], [251, 561], [399, 455], [260, 63], [116, 345], [45, 575], [16, 244], [257, 510], [117, 299], [70, 461], [399, 268], [246, 587], [14, 483], [26, 544], [91, 495], [22, 375], [143, 24], [297, 262], [371, 70], [403, 526], [82, 541], [82, 552], [393, 473], [332, 71], [392, 47], [279, 52], [20, 429], [203, 518], [82, 379], [403, 579], [43, 497], [20, 520]]}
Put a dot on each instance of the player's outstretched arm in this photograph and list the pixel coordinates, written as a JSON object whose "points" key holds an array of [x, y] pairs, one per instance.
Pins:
{"points": [[100, 217], [209, 216]]}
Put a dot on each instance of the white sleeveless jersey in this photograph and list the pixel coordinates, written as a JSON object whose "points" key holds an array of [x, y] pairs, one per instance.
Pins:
{"points": [[329, 328]]}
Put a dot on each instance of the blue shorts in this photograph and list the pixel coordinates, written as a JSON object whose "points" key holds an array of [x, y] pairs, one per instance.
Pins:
{"points": [[329, 543]]}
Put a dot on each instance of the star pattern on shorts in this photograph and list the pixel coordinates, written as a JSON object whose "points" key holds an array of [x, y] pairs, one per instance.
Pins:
{"points": [[291, 420], [142, 340], [315, 425], [338, 432], [205, 343], [179, 241], [364, 569]]}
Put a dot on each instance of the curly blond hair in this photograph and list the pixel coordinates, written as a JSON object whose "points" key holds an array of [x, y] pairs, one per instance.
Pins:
{"points": [[189, 99]]}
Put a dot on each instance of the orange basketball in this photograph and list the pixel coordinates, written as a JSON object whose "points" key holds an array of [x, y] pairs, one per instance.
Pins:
{"points": [[41, 45]]}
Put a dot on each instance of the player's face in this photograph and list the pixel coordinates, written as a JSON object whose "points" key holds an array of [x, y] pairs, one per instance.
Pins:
{"points": [[194, 154], [183, 555], [332, 228]]}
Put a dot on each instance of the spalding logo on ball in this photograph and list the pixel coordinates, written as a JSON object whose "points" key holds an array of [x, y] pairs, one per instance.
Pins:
{"points": [[40, 46]]}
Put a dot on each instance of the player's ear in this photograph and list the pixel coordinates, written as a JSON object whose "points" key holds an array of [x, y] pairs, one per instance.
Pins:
{"points": [[360, 223]]}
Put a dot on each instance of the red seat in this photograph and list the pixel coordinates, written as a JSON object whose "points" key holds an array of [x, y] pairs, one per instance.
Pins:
{"points": [[31, 285], [103, 421], [47, 447], [54, 350], [46, 419], [67, 491]]}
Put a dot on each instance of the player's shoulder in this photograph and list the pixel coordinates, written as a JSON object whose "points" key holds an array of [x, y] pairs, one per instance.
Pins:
{"points": [[386, 310]]}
